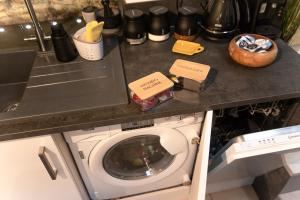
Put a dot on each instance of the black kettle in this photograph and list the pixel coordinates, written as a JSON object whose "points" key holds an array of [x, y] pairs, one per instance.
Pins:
{"points": [[222, 18]]}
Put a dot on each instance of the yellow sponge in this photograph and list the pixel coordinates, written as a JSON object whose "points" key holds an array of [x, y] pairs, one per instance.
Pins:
{"points": [[93, 31]]}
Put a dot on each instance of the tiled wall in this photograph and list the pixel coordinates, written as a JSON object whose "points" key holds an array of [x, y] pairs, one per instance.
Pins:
{"points": [[15, 11], [171, 4]]}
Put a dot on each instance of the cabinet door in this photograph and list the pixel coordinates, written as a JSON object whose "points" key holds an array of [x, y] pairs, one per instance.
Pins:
{"points": [[25, 176], [198, 187]]}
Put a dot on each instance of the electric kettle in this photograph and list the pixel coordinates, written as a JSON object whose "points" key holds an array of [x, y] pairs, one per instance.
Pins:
{"points": [[223, 17]]}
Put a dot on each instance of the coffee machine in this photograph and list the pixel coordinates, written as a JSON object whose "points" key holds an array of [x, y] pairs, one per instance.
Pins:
{"points": [[266, 17]]}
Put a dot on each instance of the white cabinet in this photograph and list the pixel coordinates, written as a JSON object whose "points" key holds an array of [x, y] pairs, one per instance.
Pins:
{"points": [[198, 187], [197, 190], [35, 168]]}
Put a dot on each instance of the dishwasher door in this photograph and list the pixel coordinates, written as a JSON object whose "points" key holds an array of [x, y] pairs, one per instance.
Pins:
{"points": [[248, 156]]}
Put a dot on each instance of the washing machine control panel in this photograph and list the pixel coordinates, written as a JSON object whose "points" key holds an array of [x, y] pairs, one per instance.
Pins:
{"points": [[173, 121], [180, 120], [137, 124]]}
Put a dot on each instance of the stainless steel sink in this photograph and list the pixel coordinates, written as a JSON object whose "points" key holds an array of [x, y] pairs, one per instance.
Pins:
{"points": [[15, 68]]}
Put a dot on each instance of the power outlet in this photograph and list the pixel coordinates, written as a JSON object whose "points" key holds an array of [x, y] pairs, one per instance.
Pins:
{"points": [[138, 1]]}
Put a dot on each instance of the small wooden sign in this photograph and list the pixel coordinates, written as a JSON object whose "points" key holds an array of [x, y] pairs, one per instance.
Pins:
{"points": [[191, 70], [150, 85], [187, 48]]}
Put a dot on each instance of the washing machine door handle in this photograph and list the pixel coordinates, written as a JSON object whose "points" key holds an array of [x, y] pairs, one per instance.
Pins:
{"points": [[174, 142]]}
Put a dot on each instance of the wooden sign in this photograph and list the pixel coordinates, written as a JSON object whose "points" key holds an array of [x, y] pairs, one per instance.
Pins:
{"points": [[191, 70], [150, 85], [187, 48]]}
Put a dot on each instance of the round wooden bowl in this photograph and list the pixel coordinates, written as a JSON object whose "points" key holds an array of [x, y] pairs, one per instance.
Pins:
{"points": [[252, 59]]}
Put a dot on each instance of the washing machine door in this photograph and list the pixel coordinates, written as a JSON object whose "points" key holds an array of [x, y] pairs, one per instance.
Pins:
{"points": [[139, 156]]}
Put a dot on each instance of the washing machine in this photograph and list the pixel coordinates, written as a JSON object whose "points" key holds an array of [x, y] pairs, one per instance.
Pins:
{"points": [[138, 157]]}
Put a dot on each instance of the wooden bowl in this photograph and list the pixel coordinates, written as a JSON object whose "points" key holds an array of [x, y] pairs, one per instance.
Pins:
{"points": [[252, 59]]}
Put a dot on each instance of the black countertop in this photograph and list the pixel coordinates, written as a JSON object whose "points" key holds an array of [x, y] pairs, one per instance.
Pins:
{"points": [[54, 87], [232, 85]]}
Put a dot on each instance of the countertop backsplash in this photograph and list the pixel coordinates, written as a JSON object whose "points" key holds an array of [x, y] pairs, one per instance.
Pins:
{"points": [[15, 11]]}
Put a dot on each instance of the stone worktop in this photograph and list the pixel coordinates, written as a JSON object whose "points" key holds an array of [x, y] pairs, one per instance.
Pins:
{"points": [[230, 85]]}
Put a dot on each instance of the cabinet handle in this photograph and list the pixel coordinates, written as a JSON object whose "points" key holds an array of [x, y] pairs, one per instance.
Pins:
{"points": [[52, 172]]}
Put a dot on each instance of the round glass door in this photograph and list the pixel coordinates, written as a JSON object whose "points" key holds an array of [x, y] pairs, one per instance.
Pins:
{"points": [[137, 158]]}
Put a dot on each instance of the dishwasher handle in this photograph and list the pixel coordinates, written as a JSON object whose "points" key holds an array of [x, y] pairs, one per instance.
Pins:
{"points": [[51, 171]]}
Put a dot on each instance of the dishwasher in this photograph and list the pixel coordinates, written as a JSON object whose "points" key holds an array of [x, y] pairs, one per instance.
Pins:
{"points": [[249, 144]]}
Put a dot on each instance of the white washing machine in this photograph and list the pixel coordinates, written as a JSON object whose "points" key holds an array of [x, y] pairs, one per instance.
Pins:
{"points": [[127, 159]]}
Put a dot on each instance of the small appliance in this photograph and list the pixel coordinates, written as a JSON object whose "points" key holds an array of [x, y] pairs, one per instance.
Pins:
{"points": [[89, 13], [134, 158], [111, 17], [186, 24], [159, 25], [223, 17], [135, 26], [266, 17], [63, 45]]}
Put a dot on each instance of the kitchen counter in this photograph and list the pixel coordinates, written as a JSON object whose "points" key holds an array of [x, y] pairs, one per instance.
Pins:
{"points": [[230, 85]]}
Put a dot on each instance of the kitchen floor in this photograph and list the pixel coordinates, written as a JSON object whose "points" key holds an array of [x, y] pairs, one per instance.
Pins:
{"points": [[243, 193]]}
